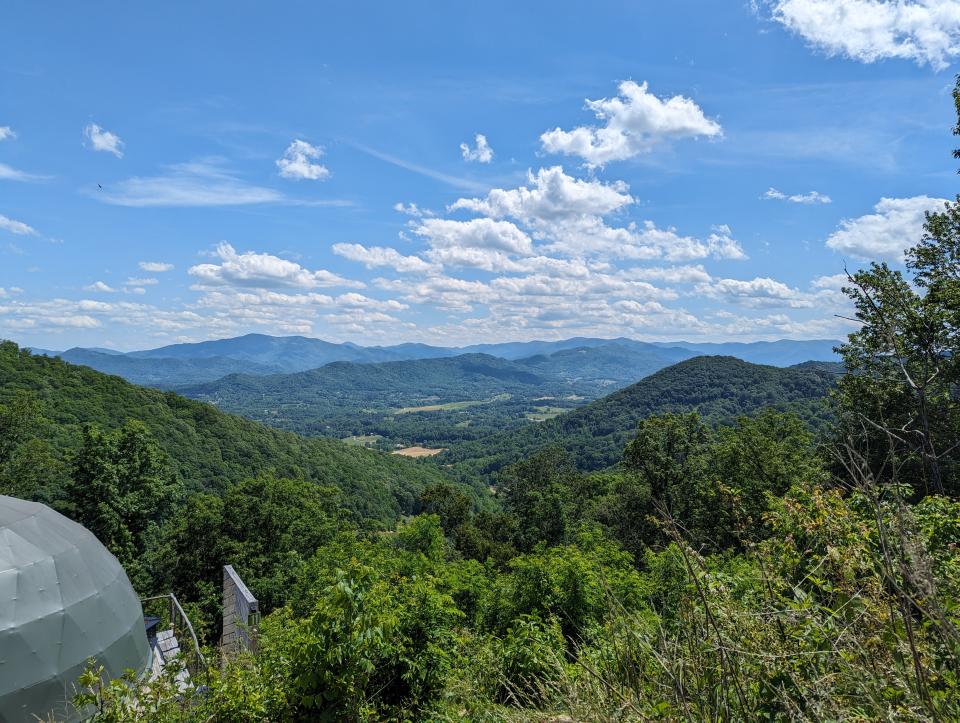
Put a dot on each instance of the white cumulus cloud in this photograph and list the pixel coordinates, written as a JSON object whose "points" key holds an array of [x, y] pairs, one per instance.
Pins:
{"points": [[832, 282], [6, 133], [633, 123], [684, 274], [255, 270], [896, 225], [480, 153], [299, 162], [101, 139], [477, 233], [550, 194], [761, 291], [376, 256], [99, 286], [925, 31]]}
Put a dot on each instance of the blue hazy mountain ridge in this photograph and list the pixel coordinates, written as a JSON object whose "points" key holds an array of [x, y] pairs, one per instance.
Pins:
{"points": [[607, 365], [193, 363], [780, 353], [163, 372]]}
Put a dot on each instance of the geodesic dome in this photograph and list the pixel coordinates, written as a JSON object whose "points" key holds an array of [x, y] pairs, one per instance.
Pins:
{"points": [[64, 599]]}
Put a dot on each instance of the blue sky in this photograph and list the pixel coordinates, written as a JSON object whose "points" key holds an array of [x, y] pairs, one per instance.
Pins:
{"points": [[696, 170]]}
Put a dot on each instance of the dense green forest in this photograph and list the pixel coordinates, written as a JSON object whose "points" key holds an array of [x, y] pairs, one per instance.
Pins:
{"points": [[719, 388], [48, 402], [641, 562]]}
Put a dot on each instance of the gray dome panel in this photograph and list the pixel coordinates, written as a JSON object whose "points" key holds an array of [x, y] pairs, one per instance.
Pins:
{"points": [[63, 600]]}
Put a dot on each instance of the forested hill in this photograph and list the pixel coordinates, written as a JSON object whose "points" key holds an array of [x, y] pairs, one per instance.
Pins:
{"points": [[208, 448], [719, 388], [384, 385]]}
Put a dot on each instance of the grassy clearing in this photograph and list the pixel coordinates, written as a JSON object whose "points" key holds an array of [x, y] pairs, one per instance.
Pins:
{"points": [[418, 451], [541, 414], [451, 405], [438, 407], [363, 440]]}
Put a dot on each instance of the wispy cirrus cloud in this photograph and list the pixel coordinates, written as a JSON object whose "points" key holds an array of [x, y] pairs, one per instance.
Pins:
{"points": [[197, 183], [155, 267], [204, 182], [17, 227], [9, 173], [465, 184]]}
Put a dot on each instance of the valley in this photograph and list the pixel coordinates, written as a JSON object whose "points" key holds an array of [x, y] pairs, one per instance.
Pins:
{"points": [[412, 394]]}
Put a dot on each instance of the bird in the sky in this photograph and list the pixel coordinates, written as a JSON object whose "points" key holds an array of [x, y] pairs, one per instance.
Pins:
{"points": [[99, 186]]}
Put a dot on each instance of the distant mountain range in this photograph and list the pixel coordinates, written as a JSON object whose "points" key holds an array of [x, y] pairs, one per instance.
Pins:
{"points": [[610, 361]]}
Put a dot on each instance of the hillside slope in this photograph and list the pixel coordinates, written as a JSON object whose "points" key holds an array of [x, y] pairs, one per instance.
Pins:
{"points": [[209, 448], [719, 388]]}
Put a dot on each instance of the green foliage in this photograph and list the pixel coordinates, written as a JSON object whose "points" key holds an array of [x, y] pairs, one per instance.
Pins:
{"points": [[666, 455], [120, 488], [900, 403], [29, 466], [719, 388], [372, 648], [537, 492], [571, 583], [127, 699], [207, 449], [807, 623], [532, 661], [265, 527], [452, 506], [714, 483]]}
